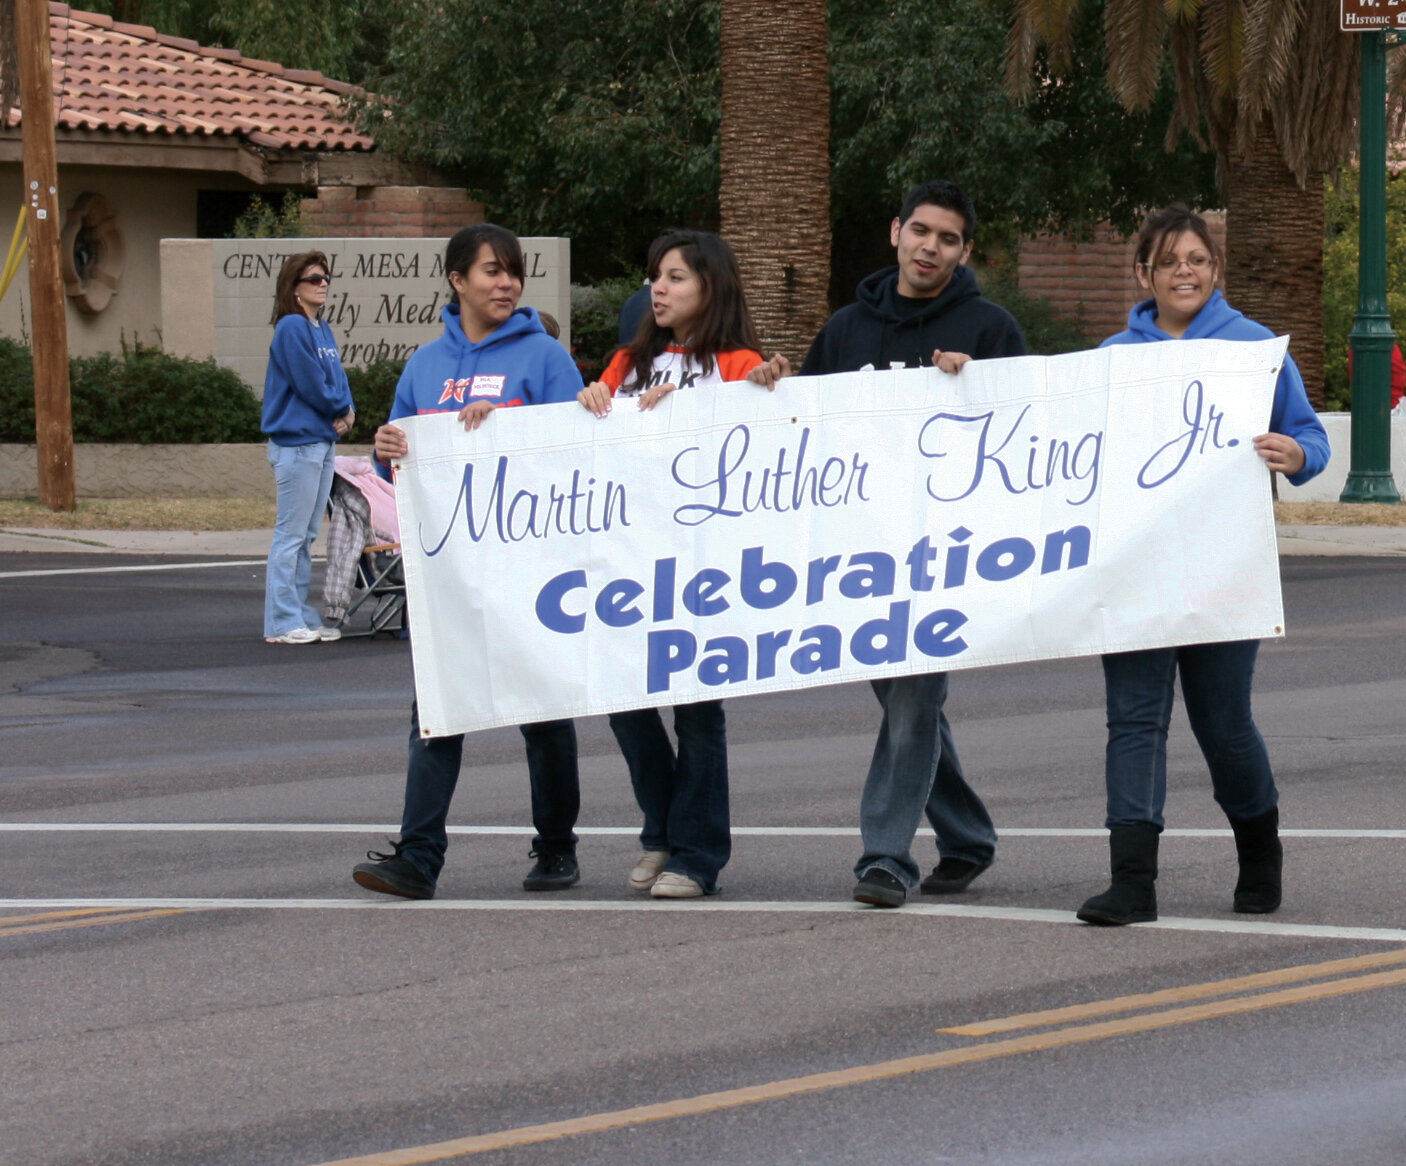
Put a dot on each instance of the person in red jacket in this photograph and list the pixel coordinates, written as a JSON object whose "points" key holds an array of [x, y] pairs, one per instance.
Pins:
{"points": [[698, 334]]}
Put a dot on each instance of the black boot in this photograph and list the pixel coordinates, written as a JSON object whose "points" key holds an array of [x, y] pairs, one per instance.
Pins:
{"points": [[1132, 857], [1257, 845]]}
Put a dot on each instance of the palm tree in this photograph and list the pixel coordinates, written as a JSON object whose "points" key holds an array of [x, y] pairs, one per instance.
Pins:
{"points": [[1274, 83], [774, 143]]}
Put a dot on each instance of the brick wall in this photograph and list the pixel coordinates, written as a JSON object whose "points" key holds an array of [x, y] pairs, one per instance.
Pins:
{"points": [[1090, 283], [390, 212]]}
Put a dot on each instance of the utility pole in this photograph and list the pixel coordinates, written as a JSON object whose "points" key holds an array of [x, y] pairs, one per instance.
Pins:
{"points": [[53, 415]]}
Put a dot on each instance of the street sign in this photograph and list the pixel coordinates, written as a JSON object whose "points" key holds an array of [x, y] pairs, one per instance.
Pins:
{"points": [[1372, 15]]}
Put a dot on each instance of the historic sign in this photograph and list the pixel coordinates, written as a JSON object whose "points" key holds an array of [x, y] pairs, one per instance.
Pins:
{"points": [[1372, 15]]}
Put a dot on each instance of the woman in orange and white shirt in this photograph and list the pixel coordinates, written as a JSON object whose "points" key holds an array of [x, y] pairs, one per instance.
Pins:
{"points": [[698, 334]]}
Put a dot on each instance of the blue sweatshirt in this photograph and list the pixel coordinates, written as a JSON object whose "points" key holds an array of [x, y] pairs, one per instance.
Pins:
{"points": [[1292, 414], [516, 364], [305, 388]]}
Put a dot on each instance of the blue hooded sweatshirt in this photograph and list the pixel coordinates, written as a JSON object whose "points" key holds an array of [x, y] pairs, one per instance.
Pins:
{"points": [[305, 387], [1292, 414], [516, 364]]}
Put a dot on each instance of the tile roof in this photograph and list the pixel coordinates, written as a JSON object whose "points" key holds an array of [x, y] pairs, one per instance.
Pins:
{"points": [[133, 79]]}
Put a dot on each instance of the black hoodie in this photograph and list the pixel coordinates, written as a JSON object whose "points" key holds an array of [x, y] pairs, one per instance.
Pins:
{"points": [[882, 329]]}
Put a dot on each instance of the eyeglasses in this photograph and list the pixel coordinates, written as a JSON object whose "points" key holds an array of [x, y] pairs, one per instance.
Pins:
{"points": [[318, 279], [1171, 262]]}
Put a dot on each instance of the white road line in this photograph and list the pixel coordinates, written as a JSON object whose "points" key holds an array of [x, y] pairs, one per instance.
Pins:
{"points": [[738, 831], [128, 570], [715, 905]]}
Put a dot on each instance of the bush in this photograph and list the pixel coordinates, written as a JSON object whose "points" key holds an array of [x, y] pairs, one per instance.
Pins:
{"points": [[141, 395], [1340, 247], [373, 390], [1047, 333], [595, 323]]}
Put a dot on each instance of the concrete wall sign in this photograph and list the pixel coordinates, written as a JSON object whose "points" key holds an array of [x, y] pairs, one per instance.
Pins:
{"points": [[384, 301]]}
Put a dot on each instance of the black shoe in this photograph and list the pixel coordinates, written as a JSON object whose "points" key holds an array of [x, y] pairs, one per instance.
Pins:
{"points": [[952, 875], [552, 872], [392, 875], [880, 889]]}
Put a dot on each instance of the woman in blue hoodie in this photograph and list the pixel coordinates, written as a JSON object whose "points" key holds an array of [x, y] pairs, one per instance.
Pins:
{"points": [[1178, 261], [493, 354], [307, 407]]}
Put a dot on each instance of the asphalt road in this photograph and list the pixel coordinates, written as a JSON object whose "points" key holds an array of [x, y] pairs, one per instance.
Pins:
{"points": [[188, 974]]}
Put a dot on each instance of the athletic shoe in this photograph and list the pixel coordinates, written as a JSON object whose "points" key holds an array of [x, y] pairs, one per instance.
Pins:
{"points": [[672, 885], [879, 888], [552, 872], [951, 876], [389, 874], [328, 634], [296, 636], [646, 869]]}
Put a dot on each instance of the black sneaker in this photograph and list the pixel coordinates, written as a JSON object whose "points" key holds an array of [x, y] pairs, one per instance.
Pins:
{"points": [[952, 875], [552, 872], [392, 875], [880, 889]]}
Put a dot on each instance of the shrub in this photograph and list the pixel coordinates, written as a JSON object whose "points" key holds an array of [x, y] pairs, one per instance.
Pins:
{"points": [[373, 390], [265, 220], [1340, 247], [595, 323], [141, 395], [1047, 333]]}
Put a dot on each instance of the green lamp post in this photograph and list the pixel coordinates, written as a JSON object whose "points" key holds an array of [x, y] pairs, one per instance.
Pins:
{"points": [[1369, 479]]}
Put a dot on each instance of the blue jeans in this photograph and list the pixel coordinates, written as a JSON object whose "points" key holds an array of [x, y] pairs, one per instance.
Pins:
{"points": [[683, 797], [433, 773], [1215, 684], [303, 474], [915, 770]]}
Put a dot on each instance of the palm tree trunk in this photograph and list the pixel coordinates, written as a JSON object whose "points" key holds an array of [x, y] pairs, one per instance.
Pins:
{"points": [[1274, 251], [775, 160]]}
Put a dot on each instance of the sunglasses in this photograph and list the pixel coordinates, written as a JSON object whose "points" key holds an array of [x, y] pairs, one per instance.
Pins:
{"points": [[318, 279]]}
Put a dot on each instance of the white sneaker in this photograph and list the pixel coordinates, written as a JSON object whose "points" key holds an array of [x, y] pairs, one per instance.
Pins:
{"points": [[647, 868], [327, 634], [672, 885], [296, 636]]}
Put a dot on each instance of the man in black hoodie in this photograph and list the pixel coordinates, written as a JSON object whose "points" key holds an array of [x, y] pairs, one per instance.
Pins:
{"points": [[926, 310]]}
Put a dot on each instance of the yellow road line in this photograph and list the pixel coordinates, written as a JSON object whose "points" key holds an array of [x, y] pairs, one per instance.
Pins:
{"points": [[863, 1074], [45, 916], [1178, 995], [70, 924]]}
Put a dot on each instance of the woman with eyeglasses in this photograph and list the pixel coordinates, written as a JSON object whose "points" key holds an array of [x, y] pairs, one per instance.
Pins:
{"points": [[307, 408], [1178, 262]]}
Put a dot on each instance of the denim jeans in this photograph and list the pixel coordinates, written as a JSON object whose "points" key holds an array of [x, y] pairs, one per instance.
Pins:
{"points": [[683, 797], [915, 770], [433, 772], [1215, 684], [303, 475]]}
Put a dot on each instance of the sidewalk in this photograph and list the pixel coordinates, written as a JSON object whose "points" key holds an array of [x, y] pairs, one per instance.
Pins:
{"points": [[254, 544]]}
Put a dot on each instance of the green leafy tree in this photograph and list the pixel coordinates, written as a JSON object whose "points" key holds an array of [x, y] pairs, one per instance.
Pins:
{"points": [[918, 94], [564, 119]]}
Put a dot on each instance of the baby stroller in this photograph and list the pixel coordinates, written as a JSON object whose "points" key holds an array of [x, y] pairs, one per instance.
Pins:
{"points": [[364, 571]]}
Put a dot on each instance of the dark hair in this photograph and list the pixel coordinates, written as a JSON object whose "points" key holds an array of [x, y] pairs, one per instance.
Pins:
{"points": [[1161, 228], [949, 196], [724, 323], [461, 252], [285, 294]]}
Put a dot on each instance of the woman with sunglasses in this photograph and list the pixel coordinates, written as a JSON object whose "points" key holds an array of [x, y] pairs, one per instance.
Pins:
{"points": [[1178, 262], [307, 408]]}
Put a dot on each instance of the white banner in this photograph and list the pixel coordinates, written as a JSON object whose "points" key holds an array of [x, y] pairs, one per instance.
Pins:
{"points": [[842, 528]]}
